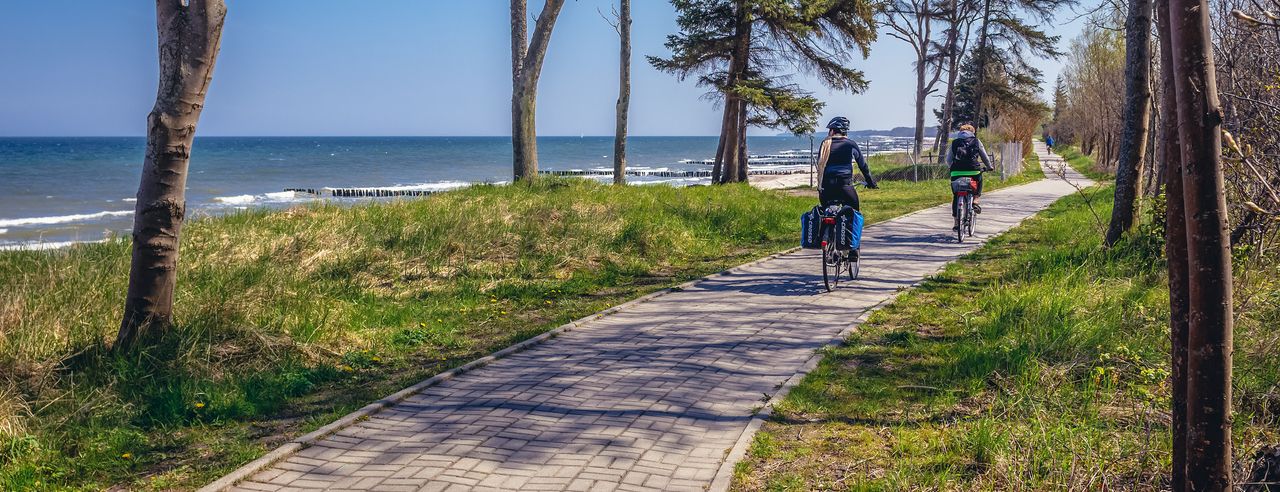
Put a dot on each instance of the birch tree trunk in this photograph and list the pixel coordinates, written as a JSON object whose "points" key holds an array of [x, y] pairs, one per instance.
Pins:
{"points": [[1175, 250], [1137, 115], [524, 100], [190, 34], [624, 95], [1209, 258]]}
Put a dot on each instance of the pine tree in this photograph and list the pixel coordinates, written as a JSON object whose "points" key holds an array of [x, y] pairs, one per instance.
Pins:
{"points": [[1009, 31], [742, 50], [1059, 98]]}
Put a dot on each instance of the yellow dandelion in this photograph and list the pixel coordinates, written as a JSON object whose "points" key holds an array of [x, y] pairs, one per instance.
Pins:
{"points": [[376, 359], [504, 312], [438, 320], [127, 456], [346, 368], [548, 302], [199, 404]]}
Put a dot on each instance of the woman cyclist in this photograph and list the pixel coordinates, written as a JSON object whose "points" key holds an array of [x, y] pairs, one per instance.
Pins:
{"points": [[968, 159], [835, 166]]}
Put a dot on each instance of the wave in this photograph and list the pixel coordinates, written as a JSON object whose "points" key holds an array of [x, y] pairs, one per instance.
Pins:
{"points": [[437, 186], [44, 246], [276, 197], [62, 219]]}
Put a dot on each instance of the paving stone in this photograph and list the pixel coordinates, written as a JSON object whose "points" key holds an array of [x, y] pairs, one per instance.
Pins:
{"points": [[648, 398]]}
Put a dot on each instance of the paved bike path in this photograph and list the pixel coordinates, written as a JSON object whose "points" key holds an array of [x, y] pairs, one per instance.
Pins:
{"points": [[648, 398]]}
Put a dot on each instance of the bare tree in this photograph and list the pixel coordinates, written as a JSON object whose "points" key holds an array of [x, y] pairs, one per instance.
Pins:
{"points": [[959, 17], [527, 56], [1209, 279], [621, 23], [911, 21], [1137, 115], [190, 34], [1175, 249]]}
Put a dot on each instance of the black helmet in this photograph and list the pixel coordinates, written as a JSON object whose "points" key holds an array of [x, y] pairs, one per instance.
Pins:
{"points": [[839, 124]]}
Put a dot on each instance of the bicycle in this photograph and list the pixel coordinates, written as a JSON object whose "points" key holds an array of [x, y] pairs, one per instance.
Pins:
{"points": [[963, 187], [836, 262]]}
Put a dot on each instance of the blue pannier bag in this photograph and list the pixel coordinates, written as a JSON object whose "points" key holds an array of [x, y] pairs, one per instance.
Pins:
{"points": [[811, 229], [850, 224]]}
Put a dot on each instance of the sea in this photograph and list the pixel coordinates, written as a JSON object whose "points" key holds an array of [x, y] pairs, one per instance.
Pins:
{"points": [[57, 191]]}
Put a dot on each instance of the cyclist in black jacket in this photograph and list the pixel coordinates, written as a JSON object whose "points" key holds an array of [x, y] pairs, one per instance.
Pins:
{"points": [[835, 166]]}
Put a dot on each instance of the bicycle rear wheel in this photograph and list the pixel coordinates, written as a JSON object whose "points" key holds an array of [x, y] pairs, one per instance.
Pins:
{"points": [[855, 262], [969, 216], [830, 267]]}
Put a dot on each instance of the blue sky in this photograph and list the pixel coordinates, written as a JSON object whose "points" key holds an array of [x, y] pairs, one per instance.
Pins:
{"points": [[387, 67]]}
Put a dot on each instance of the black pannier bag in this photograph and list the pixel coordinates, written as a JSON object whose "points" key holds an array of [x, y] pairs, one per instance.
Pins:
{"points": [[811, 229]]}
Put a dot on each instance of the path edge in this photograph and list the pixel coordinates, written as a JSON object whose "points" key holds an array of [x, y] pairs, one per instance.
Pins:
{"points": [[307, 440], [723, 476]]}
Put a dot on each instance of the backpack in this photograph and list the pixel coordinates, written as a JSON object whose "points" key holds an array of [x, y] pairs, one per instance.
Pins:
{"points": [[965, 151]]}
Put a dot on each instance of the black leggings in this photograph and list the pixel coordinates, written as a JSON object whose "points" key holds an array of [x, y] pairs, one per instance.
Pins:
{"points": [[838, 189], [955, 199]]}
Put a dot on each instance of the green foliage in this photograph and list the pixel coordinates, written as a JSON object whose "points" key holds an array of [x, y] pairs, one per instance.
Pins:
{"points": [[998, 70], [290, 319], [1037, 363], [810, 36], [1083, 163]]}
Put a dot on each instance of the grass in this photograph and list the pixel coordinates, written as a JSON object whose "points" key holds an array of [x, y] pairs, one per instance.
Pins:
{"points": [[1084, 164], [287, 320], [1037, 363]]}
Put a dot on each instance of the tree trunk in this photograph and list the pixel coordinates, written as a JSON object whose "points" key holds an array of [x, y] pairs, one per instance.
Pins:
{"points": [[1137, 114], [920, 102], [953, 61], [923, 84], [735, 112], [948, 108], [519, 48], [1209, 257], [624, 95], [729, 140], [190, 34], [979, 87], [717, 170], [524, 138], [1175, 250], [1152, 171], [742, 142]]}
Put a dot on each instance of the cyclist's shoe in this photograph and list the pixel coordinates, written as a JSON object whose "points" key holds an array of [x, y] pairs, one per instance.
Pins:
{"points": [[956, 227], [977, 209]]}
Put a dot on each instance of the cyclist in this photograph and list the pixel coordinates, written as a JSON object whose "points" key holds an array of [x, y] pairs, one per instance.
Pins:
{"points": [[835, 166], [968, 159]]}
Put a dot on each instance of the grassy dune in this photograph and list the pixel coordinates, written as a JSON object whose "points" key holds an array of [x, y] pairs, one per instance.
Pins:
{"points": [[1037, 363], [290, 319]]}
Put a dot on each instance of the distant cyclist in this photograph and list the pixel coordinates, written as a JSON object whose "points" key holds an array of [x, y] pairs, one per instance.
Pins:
{"points": [[835, 166], [968, 159]]}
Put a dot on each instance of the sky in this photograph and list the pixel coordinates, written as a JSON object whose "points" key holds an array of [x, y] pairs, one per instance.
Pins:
{"points": [[386, 67]]}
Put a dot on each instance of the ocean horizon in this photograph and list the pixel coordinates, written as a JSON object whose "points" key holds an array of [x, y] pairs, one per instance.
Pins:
{"points": [[60, 190]]}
